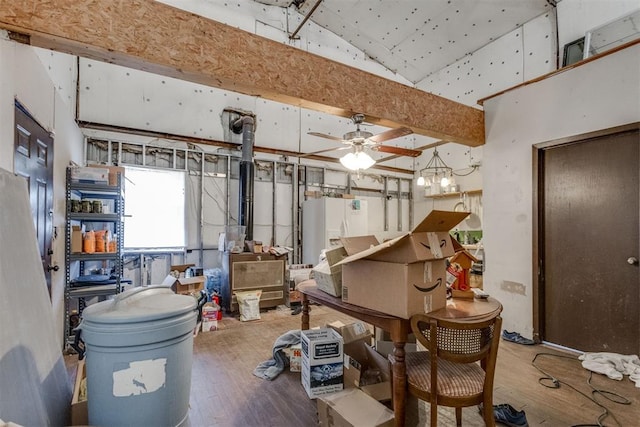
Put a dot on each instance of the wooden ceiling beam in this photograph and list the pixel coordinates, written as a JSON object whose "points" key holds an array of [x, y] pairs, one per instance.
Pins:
{"points": [[152, 36]]}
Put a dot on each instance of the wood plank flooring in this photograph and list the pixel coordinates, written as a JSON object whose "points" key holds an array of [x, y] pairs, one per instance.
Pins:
{"points": [[225, 393]]}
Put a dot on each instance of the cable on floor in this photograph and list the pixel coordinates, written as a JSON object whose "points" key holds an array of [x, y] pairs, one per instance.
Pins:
{"points": [[550, 381]]}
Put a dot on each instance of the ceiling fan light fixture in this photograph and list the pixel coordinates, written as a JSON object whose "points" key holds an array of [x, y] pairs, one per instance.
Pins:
{"points": [[357, 161]]}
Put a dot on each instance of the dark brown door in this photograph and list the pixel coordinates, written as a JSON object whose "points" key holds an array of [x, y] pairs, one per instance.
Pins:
{"points": [[33, 159], [590, 211]]}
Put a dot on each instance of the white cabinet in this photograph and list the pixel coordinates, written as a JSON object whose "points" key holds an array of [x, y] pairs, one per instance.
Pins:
{"points": [[327, 219]]}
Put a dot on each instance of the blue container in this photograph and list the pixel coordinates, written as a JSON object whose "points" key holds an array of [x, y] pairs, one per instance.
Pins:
{"points": [[139, 349], [214, 282]]}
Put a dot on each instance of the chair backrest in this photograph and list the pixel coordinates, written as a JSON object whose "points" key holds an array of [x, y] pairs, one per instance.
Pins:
{"points": [[461, 342]]}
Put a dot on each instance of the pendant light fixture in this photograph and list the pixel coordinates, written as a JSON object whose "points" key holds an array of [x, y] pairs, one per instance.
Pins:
{"points": [[436, 172]]}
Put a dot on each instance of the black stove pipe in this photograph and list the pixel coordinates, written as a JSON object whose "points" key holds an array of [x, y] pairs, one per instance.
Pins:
{"points": [[245, 209]]}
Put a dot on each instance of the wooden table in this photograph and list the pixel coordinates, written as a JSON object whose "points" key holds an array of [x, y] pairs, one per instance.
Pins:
{"points": [[398, 328]]}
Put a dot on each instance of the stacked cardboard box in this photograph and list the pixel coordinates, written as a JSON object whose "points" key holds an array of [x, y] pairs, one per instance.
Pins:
{"points": [[328, 274], [406, 275]]}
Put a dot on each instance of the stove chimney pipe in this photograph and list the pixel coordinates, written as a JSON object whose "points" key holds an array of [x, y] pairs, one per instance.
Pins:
{"points": [[245, 209]]}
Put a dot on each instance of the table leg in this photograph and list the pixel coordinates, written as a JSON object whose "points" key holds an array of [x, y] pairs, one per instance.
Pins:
{"points": [[305, 312], [399, 383]]}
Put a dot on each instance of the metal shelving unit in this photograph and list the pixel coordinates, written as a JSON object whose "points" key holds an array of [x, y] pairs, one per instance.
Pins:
{"points": [[75, 263]]}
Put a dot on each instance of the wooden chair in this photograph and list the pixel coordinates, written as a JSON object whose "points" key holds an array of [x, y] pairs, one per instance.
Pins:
{"points": [[462, 373]]}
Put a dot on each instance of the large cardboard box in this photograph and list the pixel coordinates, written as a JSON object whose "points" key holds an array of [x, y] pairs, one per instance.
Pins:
{"points": [[406, 275], [401, 290], [353, 408], [322, 361]]}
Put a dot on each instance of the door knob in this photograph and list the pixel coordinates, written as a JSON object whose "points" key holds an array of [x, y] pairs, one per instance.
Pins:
{"points": [[632, 260], [53, 267]]}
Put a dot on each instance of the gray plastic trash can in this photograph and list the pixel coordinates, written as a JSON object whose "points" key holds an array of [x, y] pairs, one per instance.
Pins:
{"points": [[139, 347]]}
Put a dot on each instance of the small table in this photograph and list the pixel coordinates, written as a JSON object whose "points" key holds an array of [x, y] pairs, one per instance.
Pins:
{"points": [[397, 327]]}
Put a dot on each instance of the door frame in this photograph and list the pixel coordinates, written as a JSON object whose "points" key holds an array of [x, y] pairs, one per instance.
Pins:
{"points": [[538, 219]]}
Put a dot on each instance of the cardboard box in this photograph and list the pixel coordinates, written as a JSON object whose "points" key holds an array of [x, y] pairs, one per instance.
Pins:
{"points": [[113, 173], [298, 272], [294, 353], [357, 244], [384, 345], [351, 408], [185, 285], [79, 412], [406, 275], [401, 290], [76, 239], [322, 362], [293, 298], [367, 370], [89, 175], [351, 332], [181, 268], [328, 275], [210, 317]]}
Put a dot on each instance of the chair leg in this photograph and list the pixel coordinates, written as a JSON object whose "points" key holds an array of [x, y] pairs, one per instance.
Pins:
{"points": [[434, 415], [487, 408], [458, 417]]}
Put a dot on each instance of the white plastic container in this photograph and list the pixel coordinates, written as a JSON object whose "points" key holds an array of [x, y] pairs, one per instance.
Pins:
{"points": [[139, 349]]}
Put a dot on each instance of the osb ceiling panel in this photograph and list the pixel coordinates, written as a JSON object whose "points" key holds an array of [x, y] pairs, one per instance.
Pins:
{"points": [[204, 51], [416, 38]]}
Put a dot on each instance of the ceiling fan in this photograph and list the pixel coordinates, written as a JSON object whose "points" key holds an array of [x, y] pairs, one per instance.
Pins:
{"points": [[358, 140]]}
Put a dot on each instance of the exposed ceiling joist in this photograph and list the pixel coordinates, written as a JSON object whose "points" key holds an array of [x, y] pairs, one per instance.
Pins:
{"points": [[151, 36]]}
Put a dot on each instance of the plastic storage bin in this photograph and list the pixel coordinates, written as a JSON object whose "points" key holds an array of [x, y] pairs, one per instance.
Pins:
{"points": [[139, 348]]}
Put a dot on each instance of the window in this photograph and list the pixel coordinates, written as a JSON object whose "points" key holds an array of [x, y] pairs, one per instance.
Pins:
{"points": [[154, 209]]}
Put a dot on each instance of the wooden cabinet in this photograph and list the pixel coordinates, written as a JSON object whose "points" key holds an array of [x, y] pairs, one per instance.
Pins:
{"points": [[249, 271]]}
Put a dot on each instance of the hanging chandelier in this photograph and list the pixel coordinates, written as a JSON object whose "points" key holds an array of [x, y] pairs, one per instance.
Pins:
{"points": [[435, 172]]}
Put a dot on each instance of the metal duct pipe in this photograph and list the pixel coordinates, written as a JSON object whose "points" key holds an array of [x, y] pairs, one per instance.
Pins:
{"points": [[245, 209]]}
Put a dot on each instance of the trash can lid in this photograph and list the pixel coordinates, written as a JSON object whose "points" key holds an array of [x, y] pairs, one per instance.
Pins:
{"points": [[140, 305]]}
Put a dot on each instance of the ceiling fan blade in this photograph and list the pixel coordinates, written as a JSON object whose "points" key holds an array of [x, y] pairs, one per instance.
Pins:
{"points": [[396, 150], [390, 134], [324, 135], [324, 151]]}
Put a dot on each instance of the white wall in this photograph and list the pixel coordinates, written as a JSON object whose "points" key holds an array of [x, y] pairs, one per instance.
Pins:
{"points": [[597, 95], [38, 396], [45, 82], [24, 77]]}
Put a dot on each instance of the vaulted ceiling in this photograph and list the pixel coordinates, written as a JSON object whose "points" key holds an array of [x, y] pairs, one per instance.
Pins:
{"points": [[415, 38], [412, 38]]}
